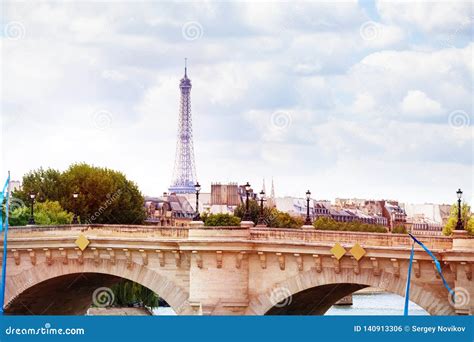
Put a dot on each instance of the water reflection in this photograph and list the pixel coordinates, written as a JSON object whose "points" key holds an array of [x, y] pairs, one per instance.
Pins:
{"points": [[376, 304], [363, 304]]}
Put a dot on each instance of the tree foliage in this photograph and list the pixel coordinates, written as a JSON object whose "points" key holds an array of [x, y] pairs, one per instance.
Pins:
{"points": [[45, 213], [105, 195], [46, 184], [129, 293], [279, 219], [399, 229], [216, 220], [271, 216], [254, 210], [466, 217], [327, 223], [470, 225]]}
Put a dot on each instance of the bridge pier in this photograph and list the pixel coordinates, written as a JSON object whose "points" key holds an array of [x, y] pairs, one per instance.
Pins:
{"points": [[218, 279], [463, 284]]}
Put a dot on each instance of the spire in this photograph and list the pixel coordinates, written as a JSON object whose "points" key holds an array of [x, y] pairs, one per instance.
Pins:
{"points": [[185, 67], [271, 199], [263, 186], [273, 190]]}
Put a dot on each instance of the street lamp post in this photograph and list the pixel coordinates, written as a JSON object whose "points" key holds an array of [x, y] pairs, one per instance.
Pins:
{"points": [[459, 224], [247, 210], [31, 221], [197, 187], [308, 219], [75, 195], [261, 218]]}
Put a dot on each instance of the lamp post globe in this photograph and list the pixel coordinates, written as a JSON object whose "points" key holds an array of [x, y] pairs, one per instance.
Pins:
{"points": [[459, 224], [247, 195], [308, 219], [75, 220], [197, 216], [261, 218], [31, 221]]}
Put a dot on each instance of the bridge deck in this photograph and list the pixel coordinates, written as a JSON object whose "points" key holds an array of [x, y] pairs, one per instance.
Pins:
{"points": [[256, 233]]}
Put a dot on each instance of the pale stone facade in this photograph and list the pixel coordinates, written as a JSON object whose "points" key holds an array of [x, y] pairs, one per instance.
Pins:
{"points": [[228, 270]]}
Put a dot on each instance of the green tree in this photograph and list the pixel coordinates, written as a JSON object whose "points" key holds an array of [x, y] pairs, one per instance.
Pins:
{"points": [[279, 219], [470, 225], [127, 293], [105, 195], [44, 183], [45, 213], [216, 220], [400, 229], [450, 225], [271, 216], [327, 223], [254, 210]]}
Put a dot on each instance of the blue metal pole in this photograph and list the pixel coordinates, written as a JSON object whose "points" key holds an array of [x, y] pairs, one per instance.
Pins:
{"points": [[407, 289], [5, 250], [1, 212], [2, 196], [437, 264]]}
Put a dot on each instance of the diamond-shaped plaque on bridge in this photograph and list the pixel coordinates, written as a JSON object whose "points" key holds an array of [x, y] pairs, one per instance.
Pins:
{"points": [[357, 252], [338, 251], [82, 242]]}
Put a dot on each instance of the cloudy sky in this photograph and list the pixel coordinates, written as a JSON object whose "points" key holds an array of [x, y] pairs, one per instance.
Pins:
{"points": [[348, 99]]}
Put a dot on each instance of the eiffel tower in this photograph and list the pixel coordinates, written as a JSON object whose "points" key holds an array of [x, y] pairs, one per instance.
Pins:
{"points": [[184, 173]]}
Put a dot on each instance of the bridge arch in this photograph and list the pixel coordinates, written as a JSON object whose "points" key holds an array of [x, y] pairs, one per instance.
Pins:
{"points": [[323, 289], [43, 279]]}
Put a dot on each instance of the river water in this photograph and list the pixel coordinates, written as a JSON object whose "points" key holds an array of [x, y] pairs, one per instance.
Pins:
{"points": [[363, 304], [379, 304]]}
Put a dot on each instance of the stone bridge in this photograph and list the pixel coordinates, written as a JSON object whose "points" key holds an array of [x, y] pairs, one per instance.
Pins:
{"points": [[229, 270]]}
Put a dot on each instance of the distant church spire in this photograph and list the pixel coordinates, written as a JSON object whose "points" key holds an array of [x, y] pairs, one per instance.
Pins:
{"points": [[273, 190], [263, 186], [271, 199]]}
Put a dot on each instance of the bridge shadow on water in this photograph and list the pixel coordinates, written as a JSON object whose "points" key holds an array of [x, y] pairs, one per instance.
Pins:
{"points": [[321, 300], [314, 301], [71, 294]]}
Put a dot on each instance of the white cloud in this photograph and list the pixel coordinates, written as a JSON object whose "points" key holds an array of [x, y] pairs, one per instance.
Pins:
{"points": [[419, 104], [426, 15], [290, 90], [389, 76], [113, 75], [377, 35], [364, 103]]}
